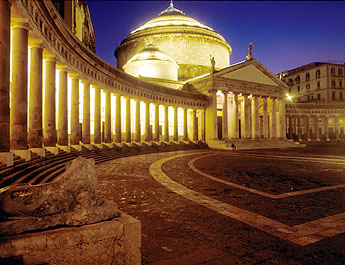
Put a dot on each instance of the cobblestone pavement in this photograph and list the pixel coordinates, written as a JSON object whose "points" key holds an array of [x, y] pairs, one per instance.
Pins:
{"points": [[243, 207]]}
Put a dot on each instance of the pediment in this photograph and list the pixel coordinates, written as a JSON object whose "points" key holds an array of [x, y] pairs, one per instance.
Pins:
{"points": [[250, 73]]}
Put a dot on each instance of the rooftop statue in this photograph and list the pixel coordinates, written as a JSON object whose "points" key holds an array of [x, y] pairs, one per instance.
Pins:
{"points": [[70, 200], [213, 63], [250, 52]]}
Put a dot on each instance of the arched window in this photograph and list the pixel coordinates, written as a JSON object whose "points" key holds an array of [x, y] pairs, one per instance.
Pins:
{"points": [[332, 71], [340, 72], [318, 73], [307, 77]]}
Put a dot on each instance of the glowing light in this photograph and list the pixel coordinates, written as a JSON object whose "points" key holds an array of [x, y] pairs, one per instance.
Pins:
{"points": [[289, 97]]}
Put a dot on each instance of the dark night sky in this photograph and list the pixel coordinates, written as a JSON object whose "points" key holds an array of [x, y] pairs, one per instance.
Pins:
{"points": [[285, 34]]}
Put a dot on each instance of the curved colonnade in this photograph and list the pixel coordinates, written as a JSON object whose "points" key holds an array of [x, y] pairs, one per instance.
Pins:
{"points": [[38, 121]]}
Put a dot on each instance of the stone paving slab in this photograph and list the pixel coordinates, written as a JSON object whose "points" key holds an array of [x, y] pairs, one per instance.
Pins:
{"points": [[177, 230]]}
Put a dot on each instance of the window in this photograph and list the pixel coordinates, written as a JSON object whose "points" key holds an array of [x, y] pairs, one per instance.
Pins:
{"points": [[318, 96], [333, 95], [307, 86], [341, 95], [332, 71], [318, 85], [298, 88], [318, 73], [340, 83], [333, 83], [307, 76], [298, 79], [340, 72]]}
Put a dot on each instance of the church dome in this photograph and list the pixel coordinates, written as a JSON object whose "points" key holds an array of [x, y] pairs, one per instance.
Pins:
{"points": [[185, 40], [151, 62]]}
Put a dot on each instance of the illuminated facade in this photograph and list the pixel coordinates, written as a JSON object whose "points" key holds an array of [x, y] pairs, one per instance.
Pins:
{"points": [[55, 92], [317, 107]]}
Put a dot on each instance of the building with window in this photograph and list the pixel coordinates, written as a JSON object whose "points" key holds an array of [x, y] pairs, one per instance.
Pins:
{"points": [[317, 107]]}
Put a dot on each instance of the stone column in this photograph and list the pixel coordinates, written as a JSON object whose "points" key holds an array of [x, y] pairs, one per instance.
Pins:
{"points": [[137, 121], [336, 127], [307, 132], [185, 128], [128, 120], [246, 116], [18, 121], [265, 118], [274, 118], [225, 116], [235, 132], [107, 121], [75, 131], [118, 135], [194, 126], [326, 128], [316, 128], [156, 138], [299, 128], [35, 136], [166, 123], [255, 118], [86, 113], [202, 125], [211, 116], [147, 123], [62, 128], [49, 131], [282, 122], [175, 124], [5, 44], [97, 139]]}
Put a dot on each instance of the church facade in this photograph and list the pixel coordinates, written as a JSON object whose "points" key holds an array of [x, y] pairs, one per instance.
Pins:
{"points": [[56, 93]]}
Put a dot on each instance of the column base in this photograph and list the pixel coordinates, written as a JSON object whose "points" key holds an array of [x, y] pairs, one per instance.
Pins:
{"points": [[328, 139], [88, 146], [317, 140], [139, 143], [39, 151], [76, 147], [148, 143], [66, 148], [110, 145], [25, 154], [52, 149], [6, 158], [100, 146], [309, 140], [157, 142]]}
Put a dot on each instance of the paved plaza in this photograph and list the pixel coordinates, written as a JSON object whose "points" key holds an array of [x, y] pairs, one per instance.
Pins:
{"points": [[234, 207]]}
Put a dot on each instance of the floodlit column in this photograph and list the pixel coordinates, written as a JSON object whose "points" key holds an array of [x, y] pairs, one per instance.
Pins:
{"points": [[156, 138], [202, 125], [35, 137], [137, 121], [246, 116], [299, 129], [75, 131], [282, 122], [5, 44], [307, 131], [316, 128], [118, 120], [185, 128], [147, 123], [290, 127], [274, 118], [107, 121], [194, 125], [225, 116], [62, 131], [97, 138], [255, 118], [166, 123], [49, 131], [175, 124], [128, 120], [19, 87], [86, 113], [235, 132], [336, 127], [265, 118], [326, 128]]}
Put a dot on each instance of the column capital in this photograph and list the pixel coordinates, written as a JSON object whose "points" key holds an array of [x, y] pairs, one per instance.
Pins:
{"points": [[225, 92], [61, 67], [73, 75], [49, 57], [36, 43], [22, 23], [85, 82]]}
